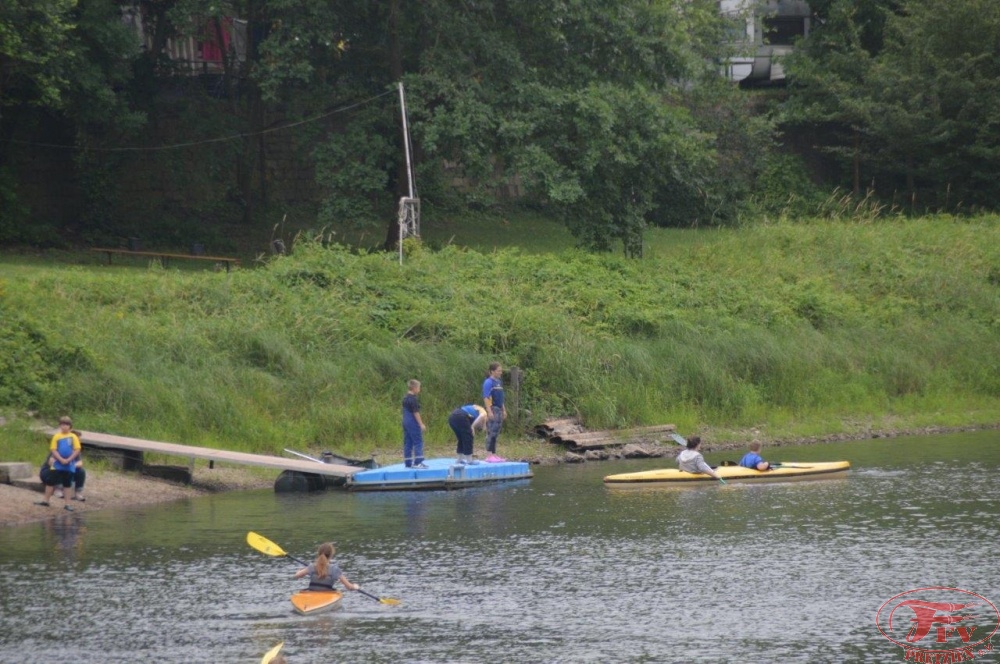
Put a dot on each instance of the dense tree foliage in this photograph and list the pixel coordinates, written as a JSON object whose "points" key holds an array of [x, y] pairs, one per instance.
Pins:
{"points": [[909, 91], [68, 60], [609, 114], [582, 103]]}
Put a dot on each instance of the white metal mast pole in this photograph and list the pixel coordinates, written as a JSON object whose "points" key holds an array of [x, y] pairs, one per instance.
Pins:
{"points": [[409, 173], [406, 140]]}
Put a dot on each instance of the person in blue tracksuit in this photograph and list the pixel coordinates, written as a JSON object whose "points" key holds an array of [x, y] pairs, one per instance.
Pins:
{"points": [[413, 428], [496, 409]]}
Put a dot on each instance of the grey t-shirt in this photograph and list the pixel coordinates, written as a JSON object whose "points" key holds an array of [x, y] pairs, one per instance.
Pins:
{"points": [[691, 461], [334, 575]]}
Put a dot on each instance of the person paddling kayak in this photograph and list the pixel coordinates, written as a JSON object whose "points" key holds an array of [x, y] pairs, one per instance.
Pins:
{"points": [[691, 460], [323, 572]]}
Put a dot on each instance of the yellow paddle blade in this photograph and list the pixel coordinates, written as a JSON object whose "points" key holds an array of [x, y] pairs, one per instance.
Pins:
{"points": [[390, 601], [272, 653], [264, 545]]}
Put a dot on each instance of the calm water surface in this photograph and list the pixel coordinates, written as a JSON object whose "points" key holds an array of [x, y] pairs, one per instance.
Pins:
{"points": [[555, 569]]}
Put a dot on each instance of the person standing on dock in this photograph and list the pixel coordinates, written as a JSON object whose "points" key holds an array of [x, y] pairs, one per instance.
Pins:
{"points": [[413, 428], [465, 421], [496, 409]]}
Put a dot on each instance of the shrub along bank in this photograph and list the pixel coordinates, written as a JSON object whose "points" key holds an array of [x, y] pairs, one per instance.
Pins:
{"points": [[798, 330]]}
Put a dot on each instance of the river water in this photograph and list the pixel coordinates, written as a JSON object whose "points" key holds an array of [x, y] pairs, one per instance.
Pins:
{"points": [[554, 569]]}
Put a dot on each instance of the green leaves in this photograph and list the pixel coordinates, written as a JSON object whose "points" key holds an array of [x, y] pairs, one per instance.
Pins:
{"points": [[35, 45], [574, 99], [911, 90]]}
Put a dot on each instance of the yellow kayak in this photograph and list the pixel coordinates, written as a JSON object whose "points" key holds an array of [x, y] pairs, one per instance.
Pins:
{"points": [[787, 471], [307, 602]]}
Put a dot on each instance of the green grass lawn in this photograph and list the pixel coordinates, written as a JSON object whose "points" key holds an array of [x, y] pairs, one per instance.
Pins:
{"points": [[793, 329]]}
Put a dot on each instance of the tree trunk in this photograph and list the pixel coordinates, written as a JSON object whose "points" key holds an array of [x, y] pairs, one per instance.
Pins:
{"points": [[911, 184], [251, 110], [6, 127], [396, 72], [857, 162]]}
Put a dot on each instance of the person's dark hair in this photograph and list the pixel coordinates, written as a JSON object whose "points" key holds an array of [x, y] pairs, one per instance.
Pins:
{"points": [[493, 367], [693, 442]]}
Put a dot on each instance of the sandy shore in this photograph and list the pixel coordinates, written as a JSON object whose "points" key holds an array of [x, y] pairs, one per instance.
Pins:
{"points": [[108, 489]]}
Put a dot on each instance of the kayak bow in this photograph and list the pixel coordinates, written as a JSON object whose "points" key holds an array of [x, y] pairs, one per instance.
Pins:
{"points": [[308, 602]]}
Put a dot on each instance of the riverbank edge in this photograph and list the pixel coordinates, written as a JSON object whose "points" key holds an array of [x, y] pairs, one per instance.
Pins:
{"points": [[114, 489]]}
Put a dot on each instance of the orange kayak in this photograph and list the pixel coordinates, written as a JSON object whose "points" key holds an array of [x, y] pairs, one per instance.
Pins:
{"points": [[308, 602]]}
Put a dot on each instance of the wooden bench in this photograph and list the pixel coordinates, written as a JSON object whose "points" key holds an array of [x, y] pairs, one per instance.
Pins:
{"points": [[165, 256]]}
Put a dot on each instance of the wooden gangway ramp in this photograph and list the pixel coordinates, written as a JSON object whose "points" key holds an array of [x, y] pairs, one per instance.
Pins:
{"points": [[191, 452]]}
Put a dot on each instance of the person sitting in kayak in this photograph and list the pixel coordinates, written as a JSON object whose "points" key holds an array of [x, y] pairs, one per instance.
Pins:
{"points": [[691, 460], [323, 572], [753, 460]]}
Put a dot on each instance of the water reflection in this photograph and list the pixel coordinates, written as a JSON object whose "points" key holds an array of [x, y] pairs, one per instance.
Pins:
{"points": [[67, 531], [557, 568], [416, 513]]}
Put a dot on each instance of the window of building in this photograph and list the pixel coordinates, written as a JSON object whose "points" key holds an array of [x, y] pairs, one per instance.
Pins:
{"points": [[783, 30]]}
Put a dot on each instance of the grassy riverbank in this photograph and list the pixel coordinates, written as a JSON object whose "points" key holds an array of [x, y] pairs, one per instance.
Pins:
{"points": [[802, 330]]}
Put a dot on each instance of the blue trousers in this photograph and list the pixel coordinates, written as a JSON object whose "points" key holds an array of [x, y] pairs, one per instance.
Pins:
{"points": [[413, 446], [461, 424]]}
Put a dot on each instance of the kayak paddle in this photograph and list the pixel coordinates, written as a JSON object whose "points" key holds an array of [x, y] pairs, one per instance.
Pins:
{"points": [[269, 548], [681, 440], [271, 654], [384, 600]]}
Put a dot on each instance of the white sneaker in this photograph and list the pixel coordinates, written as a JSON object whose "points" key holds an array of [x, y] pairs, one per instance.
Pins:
{"points": [[59, 494]]}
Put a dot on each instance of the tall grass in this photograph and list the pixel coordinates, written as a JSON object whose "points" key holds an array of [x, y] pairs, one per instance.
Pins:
{"points": [[787, 327]]}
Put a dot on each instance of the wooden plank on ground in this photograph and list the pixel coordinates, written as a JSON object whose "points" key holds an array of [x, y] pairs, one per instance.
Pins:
{"points": [[107, 440], [571, 434]]}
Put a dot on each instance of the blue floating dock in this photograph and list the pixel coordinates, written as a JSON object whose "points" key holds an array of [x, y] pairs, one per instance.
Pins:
{"points": [[439, 474]]}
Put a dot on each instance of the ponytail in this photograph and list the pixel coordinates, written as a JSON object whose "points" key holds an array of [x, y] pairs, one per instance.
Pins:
{"points": [[323, 559]]}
